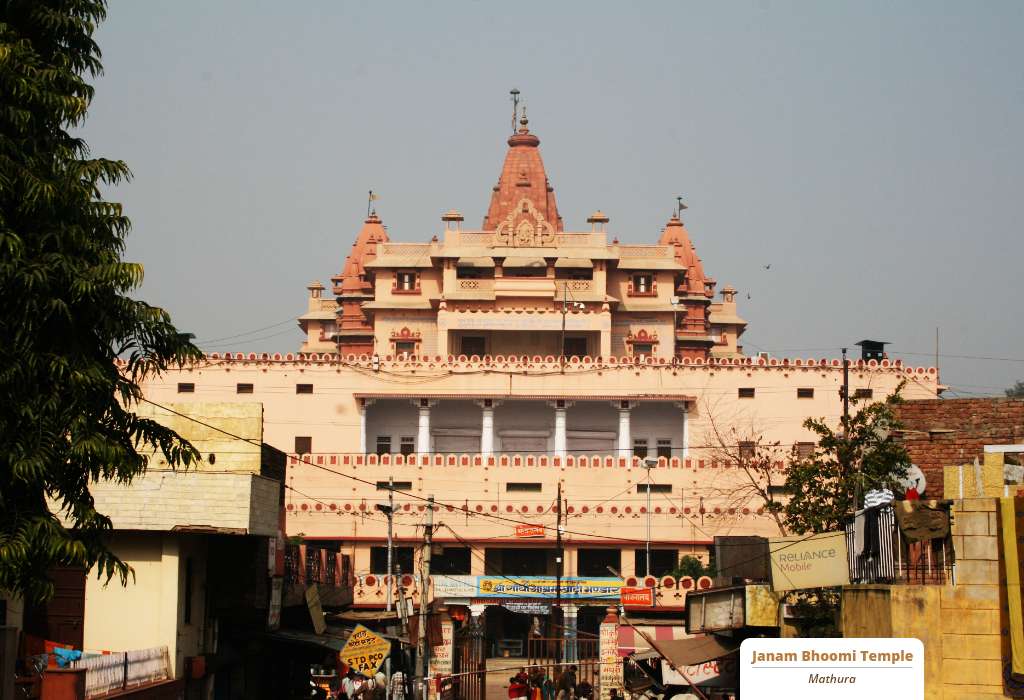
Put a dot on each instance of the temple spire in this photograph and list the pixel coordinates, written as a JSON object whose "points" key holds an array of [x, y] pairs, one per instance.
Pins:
{"points": [[522, 178]]}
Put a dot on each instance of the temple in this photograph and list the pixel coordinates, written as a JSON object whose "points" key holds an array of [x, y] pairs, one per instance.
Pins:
{"points": [[522, 285]]}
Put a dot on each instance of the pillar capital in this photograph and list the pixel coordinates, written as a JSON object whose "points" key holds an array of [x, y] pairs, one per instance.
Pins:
{"points": [[423, 403], [560, 404], [488, 403], [624, 405]]}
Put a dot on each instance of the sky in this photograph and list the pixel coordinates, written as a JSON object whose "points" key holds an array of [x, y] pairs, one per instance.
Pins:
{"points": [[870, 153]]}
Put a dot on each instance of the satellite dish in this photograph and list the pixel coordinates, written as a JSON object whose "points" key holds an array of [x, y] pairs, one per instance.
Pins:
{"points": [[914, 479]]}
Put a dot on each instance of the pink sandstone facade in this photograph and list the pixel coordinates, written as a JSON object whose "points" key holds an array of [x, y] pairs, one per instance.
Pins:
{"points": [[436, 365]]}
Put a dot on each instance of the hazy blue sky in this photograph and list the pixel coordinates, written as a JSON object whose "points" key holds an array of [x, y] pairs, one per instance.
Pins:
{"points": [[870, 152]]}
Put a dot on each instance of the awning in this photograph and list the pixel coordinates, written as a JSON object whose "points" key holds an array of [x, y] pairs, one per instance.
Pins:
{"points": [[324, 641], [484, 262], [696, 650], [360, 615], [574, 263], [514, 261]]}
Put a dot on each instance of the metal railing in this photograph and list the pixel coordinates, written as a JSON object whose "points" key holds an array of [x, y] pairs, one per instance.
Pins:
{"points": [[122, 670], [310, 564], [877, 551]]}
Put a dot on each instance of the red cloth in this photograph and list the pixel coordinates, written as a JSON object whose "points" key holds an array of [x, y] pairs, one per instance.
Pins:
{"points": [[518, 690], [912, 495]]}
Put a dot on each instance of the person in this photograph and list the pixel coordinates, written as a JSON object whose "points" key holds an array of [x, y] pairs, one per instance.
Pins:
{"points": [[348, 686], [537, 678], [566, 684], [516, 688], [397, 686], [585, 690]]}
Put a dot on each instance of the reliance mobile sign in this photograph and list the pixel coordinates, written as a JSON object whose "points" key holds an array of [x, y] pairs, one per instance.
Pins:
{"points": [[812, 561]]}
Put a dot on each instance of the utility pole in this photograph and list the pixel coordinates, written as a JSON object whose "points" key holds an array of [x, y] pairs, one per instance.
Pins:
{"points": [[428, 533], [389, 511], [648, 464], [559, 554], [846, 393]]}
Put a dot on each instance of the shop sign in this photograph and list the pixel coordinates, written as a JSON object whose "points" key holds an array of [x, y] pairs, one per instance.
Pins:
{"points": [[637, 597], [721, 673], [365, 651], [527, 608], [814, 561], [529, 531], [570, 588]]}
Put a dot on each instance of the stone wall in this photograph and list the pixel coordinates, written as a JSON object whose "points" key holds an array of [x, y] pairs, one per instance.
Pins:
{"points": [[964, 625]]}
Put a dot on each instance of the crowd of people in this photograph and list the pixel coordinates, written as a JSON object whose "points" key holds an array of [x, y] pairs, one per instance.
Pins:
{"points": [[537, 684]]}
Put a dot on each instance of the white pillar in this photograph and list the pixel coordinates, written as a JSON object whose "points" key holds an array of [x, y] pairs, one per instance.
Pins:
{"points": [[487, 428], [625, 439], [560, 440], [423, 434], [686, 432], [362, 426]]}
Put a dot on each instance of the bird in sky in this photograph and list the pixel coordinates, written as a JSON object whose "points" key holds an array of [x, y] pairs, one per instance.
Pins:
{"points": [[768, 267]]}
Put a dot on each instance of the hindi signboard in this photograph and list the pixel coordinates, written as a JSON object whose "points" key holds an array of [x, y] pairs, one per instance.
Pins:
{"points": [[813, 561], [570, 588], [316, 613], [529, 531], [637, 597], [365, 651]]}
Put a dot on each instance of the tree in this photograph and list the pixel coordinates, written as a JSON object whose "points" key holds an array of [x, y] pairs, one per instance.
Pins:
{"points": [[693, 567], [1016, 391], [825, 487], [65, 406], [760, 464]]}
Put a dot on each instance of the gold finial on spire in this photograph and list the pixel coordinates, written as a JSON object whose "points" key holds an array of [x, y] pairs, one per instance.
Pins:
{"points": [[523, 121]]}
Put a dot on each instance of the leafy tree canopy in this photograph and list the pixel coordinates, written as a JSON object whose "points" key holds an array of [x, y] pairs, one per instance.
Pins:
{"points": [[65, 407], [825, 486], [1016, 391]]}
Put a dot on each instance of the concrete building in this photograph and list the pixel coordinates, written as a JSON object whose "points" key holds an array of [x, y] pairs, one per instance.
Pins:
{"points": [[437, 367]]}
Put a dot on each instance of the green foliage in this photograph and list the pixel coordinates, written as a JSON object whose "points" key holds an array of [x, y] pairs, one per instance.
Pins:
{"points": [[815, 612], [692, 566], [65, 407], [1016, 391], [824, 487]]}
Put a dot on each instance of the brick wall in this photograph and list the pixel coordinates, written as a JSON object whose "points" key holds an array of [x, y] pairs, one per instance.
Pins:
{"points": [[974, 423]]}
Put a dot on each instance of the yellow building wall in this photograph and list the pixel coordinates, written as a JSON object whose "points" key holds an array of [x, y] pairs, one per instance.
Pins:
{"points": [[964, 627], [148, 612]]}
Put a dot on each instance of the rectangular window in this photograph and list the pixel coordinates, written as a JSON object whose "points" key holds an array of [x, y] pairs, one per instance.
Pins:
{"points": [[401, 560], [640, 448], [805, 393], [804, 450], [383, 444], [747, 449], [398, 486], [243, 388], [643, 349], [665, 447], [303, 444], [662, 561], [523, 487], [186, 387], [596, 562], [452, 561], [407, 446], [406, 347], [746, 392], [473, 345], [654, 488], [303, 388], [643, 283], [406, 281], [776, 493], [863, 393]]}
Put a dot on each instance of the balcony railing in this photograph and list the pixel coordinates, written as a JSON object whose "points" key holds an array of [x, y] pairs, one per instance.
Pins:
{"points": [[120, 671], [309, 564], [879, 553], [507, 460]]}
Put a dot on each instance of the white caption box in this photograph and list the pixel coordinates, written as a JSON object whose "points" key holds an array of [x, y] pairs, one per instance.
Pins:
{"points": [[832, 668]]}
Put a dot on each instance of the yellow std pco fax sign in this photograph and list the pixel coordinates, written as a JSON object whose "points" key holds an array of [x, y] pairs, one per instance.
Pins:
{"points": [[365, 651]]}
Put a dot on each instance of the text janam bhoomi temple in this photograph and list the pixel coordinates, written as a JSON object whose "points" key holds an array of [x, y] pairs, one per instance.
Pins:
{"points": [[493, 368]]}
